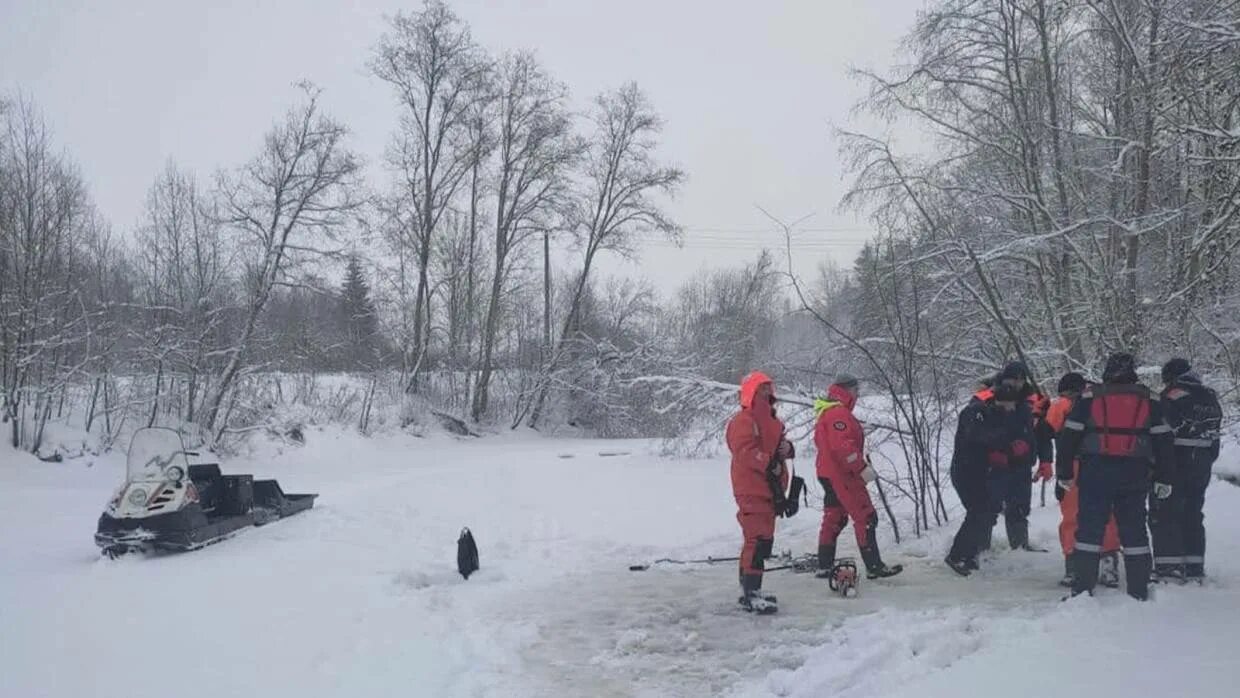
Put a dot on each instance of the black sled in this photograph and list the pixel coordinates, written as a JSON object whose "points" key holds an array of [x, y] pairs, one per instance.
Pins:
{"points": [[168, 504]]}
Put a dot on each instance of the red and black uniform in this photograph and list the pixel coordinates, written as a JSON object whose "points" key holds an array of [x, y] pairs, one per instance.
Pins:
{"points": [[759, 477], [840, 462], [1117, 431], [1069, 502]]}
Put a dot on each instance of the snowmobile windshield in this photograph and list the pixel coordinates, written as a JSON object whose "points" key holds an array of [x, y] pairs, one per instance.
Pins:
{"points": [[152, 452]]}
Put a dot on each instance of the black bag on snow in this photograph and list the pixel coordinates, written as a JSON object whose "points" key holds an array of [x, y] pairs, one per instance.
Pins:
{"points": [[466, 554]]}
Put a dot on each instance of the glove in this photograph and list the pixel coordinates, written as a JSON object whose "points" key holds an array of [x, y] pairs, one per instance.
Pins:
{"points": [[786, 450], [780, 504], [795, 490], [1020, 448], [791, 507], [868, 474], [1162, 490], [1046, 471], [997, 459]]}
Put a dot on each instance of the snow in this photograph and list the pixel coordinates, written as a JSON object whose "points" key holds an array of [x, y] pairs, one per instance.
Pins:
{"points": [[359, 596]]}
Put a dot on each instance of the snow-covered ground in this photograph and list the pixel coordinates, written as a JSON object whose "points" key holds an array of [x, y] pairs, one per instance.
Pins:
{"points": [[359, 596]]}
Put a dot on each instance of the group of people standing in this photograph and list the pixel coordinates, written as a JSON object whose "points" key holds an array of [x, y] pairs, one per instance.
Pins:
{"points": [[1110, 447]]}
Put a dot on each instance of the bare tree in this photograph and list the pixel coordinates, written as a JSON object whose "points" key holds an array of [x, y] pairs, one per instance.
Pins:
{"points": [[535, 150], [299, 188], [622, 180], [439, 76], [45, 218], [186, 272]]}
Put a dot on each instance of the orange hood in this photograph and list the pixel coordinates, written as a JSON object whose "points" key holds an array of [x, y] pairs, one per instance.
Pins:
{"points": [[750, 385]]}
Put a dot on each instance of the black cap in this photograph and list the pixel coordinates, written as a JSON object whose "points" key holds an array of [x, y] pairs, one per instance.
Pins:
{"points": [[1174, 369], [1072, 382], [1014, 369], [1120, 368]]}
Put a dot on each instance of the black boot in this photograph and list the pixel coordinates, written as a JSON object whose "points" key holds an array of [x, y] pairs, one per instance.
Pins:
{"points": [[875, 568], [1084, 572], [1068, 575], [1017, 534], [752, 599], [1137, 569], [958, 565], [826, 561], [1195, 571], [1168, 574]]}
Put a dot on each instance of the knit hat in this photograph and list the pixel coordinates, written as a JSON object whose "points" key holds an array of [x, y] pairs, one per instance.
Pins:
{"points": [[1120, 368], [1014, 369], [1174, 369], [1071, 382]]}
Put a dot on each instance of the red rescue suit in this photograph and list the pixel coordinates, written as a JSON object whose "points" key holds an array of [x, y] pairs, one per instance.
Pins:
{"points": [[840, 443], [753, 436]]}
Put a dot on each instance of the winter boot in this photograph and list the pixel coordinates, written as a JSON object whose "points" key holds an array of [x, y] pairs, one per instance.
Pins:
{"points": [[874, 566], [751, 585], [1195, 572], [971, 563], [1167, 574], [1108, 570], [1017, 534], [959, 566], [752, 599], [826, 561], [1138, 568], [1068, 576], [1084, 572]]}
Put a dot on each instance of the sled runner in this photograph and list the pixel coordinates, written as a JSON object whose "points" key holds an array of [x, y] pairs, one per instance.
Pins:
{"points": [[168, 504]]}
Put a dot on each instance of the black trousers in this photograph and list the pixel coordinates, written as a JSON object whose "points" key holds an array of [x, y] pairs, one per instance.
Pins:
{"points": [[1177, 523], [1119, 486], [1011, 491], [973, 488]]}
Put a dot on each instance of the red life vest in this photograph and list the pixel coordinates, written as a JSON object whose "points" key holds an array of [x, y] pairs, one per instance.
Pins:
{"points": [[1119, 421]]}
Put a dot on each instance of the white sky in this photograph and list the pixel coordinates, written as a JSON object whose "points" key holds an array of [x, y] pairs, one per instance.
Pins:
{"points": [[749, 90]]}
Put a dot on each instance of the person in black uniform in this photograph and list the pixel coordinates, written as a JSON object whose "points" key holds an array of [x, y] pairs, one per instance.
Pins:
{"points": [[1176, 523]]}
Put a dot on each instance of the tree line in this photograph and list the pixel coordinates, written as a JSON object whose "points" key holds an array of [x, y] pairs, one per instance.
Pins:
{"points": [[448, 281]]}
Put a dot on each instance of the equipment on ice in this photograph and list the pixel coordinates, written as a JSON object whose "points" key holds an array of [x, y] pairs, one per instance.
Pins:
{"points": [[168, 504], [843, 579], [466, 554]]}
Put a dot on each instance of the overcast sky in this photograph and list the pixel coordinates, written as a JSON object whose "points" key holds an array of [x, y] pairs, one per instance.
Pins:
{"points": [[749, 90]]}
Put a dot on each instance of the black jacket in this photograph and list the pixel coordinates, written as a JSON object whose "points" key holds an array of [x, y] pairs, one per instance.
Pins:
{"points": [[1193, 412], [984, 430]]}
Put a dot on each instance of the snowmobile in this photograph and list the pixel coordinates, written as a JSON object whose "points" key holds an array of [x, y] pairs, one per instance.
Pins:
{"points": [[168, 504]]}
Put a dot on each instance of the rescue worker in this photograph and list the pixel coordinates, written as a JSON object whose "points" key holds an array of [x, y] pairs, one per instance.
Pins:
{"points": [[1176, 523], [1011, 490], [1117, 431], [843, 472], [994, 432], [1070, 388], [759, 479]]}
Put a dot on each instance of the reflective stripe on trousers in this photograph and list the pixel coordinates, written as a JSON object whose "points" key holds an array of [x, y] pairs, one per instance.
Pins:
{"points": [[1195, 443]]}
